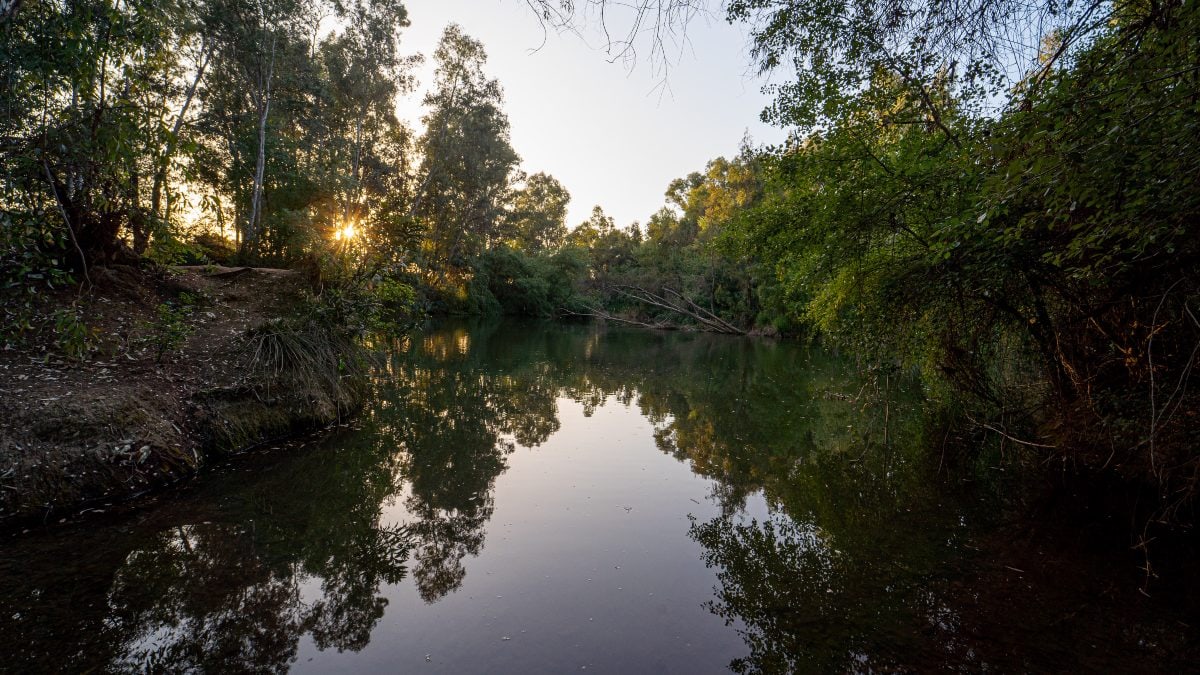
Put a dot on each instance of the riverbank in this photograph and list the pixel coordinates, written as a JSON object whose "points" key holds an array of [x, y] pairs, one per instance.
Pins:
{"points": [[158, 385]]}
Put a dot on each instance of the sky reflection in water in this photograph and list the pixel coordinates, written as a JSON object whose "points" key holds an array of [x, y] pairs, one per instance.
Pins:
{"points": [[523, 497]]}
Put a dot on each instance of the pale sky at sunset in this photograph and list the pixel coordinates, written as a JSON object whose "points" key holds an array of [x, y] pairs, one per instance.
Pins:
{"points": [[602, 129]]}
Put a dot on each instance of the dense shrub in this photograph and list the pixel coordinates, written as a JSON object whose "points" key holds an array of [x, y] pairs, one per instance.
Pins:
{"points": [[537, 284]]}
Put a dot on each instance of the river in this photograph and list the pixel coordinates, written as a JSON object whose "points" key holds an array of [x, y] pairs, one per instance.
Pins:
{"points": [[538, 497]]}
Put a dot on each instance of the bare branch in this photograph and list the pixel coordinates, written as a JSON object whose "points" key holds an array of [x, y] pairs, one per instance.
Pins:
{"points": [[656, 26], [83, 262]]}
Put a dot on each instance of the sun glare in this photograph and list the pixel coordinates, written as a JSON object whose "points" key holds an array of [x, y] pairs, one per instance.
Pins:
{"points": [[345, 233]]}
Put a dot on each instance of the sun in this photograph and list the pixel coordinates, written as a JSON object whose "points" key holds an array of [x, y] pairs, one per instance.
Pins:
{"points": [[345, 233]]}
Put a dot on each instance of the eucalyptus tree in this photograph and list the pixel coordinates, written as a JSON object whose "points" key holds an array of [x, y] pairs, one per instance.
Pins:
{"points": [[468, 163], [300, 135], [537, 217], [262, 45], [609, 248], [194, 50], [590, 232], [366, 73]]}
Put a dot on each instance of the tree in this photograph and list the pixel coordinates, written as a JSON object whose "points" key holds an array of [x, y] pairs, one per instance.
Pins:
{"points": [[538, 214], [79, 119], [467, 161], [365, 75], [590, 232], [977, 50], [261, 44], [1032, 259]]}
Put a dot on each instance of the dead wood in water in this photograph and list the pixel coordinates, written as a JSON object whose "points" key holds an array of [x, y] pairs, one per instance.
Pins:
{"points": [[674, 301]]}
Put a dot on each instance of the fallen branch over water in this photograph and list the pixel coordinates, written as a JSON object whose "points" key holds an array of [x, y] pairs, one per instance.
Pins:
{"points": [[674, 301], [597, 313]]}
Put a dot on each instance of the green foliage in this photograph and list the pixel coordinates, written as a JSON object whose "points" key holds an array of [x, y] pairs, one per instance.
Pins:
{"points": [[31, 268], [537, 215], [171, 325], [398, 305], [836, 50], [319, 346], [214, 248], [303, 351], [31, 255], [135, 125], [116, 115], [676, 256], [467, 161], [537, 284], [168, 250], [1037, 260], [72, 336]]}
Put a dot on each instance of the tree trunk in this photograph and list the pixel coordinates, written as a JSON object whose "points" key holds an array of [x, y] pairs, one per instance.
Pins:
{"points": [[139, 225], [164, 161], [264, 107]]}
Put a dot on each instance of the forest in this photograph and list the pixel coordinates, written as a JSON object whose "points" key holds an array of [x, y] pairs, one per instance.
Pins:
{"points": [[1016, 227]]}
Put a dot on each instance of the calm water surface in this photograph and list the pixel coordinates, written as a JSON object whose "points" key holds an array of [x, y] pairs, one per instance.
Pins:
{"points": [[524, 497]]}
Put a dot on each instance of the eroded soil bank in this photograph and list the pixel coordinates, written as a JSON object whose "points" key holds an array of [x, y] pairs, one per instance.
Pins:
{"points": [[88, 432]]}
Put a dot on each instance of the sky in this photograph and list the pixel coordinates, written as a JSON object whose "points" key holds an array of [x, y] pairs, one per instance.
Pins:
{"points": [[612, 134]]}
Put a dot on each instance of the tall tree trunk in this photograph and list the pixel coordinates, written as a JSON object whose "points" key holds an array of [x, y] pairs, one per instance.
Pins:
{"points": [[164, 160], [138, 223], [264, 108]]}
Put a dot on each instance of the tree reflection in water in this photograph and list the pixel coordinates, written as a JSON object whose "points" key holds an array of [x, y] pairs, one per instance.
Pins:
{"points": [[458, 419], [843, 573], [230, 578]]}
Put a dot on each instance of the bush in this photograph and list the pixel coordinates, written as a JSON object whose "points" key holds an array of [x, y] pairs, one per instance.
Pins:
{"points": [[397, 305], [167, 250], [531, 284], [72, 336], [170, 327], [317, 351]]}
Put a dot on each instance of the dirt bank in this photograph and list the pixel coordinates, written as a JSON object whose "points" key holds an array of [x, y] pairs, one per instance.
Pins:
{"points": [[116, 421]]}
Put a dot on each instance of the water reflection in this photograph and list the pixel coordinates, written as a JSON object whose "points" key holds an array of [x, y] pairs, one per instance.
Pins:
{"points": [[850, 561]]}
